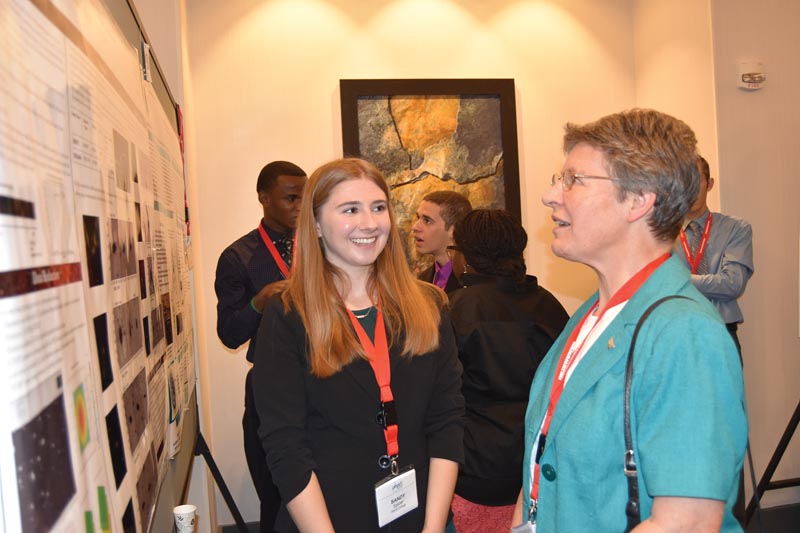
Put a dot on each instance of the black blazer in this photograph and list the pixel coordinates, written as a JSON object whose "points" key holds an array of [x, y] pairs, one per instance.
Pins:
{"points": [[329, 426], [452, 282]]}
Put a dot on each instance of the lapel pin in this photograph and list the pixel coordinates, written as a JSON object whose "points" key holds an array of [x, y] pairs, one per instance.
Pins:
{"points": [[611, 343]]}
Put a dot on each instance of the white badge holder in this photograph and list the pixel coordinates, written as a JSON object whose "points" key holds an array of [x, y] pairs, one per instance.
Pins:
{"points": [[396, 495]]}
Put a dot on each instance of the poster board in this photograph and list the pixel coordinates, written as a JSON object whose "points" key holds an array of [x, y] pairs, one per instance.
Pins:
{"points": [[95, 305]]}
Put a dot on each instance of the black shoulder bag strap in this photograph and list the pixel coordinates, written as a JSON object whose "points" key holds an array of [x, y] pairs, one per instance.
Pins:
{"points": [[632, 510]]}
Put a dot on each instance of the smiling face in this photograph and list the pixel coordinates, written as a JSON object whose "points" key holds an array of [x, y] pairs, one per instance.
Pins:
{"points": [[590, 218], [354, 225], [430, 234]]}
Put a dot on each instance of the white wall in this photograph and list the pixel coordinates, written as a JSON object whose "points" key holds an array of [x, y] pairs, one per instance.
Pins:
{"points": [[759, 177], [675, 67], [261, 83]]}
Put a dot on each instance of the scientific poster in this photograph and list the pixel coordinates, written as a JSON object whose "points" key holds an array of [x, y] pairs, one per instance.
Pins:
{"points": [[94, 299]]}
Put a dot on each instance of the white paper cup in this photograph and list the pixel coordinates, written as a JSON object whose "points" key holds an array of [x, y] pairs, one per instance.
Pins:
{"points": [[185, 517]]}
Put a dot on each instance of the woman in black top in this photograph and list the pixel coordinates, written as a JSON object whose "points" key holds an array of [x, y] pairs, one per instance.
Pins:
{"points": [[351, 303], [504, 324]]}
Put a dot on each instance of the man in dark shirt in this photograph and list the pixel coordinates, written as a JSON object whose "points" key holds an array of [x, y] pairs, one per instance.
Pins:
{"points": [[245, 270]]}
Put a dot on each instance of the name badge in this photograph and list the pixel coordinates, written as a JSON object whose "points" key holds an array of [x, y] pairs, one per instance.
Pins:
{"points": [[525, 527], [396, 495]]}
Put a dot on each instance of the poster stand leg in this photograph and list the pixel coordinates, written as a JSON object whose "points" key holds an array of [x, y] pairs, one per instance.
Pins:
{"points": [[201, 448], [766, 482]]}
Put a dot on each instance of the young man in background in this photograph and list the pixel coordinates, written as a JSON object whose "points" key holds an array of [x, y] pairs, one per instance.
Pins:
{"points": [[245, 270], [433, 233]]}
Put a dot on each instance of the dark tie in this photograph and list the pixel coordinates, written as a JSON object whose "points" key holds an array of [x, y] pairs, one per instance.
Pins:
{"points": [[284, 246], [694, 242]]}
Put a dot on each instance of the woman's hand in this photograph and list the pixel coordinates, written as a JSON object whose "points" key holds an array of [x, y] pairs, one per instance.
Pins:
{"points": [[669, 514]]}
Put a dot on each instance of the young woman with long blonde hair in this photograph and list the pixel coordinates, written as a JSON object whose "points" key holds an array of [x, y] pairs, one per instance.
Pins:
{"points": [[347, 454]]}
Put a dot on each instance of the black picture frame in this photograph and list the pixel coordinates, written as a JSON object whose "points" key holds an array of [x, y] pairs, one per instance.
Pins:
{"points": [[352, 91]]}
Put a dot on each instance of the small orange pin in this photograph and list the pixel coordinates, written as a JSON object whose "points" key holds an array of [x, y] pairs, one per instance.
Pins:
{"points": [[611, 343]]}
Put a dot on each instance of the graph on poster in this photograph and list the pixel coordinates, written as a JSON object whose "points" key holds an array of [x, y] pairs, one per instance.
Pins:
{"points": [[94, 279]]}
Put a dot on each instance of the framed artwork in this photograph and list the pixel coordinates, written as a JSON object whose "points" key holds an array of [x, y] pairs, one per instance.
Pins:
{"points": [[435, 134]]}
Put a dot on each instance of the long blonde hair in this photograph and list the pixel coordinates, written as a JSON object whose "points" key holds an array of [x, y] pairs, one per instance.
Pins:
{"points": [[410, 307]]}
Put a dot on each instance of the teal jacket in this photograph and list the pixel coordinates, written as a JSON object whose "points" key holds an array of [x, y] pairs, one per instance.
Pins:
{"points": [[688, 413]]}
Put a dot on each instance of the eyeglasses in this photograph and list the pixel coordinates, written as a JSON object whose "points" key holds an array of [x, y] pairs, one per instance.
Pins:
{"points": [[567, 178]]}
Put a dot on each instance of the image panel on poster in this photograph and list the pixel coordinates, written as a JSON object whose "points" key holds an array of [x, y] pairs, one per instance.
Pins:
{"points": [[94, 250], [116, 448], [136, 411], [146, 489], [100, 323], [127, 330], [45, 479], [123, 249], [129, 519]]}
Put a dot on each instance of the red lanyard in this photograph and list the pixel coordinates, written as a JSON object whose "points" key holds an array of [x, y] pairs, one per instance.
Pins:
{"points": [[572, 349], [274, 251], [694, 262], [378, 354]]}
